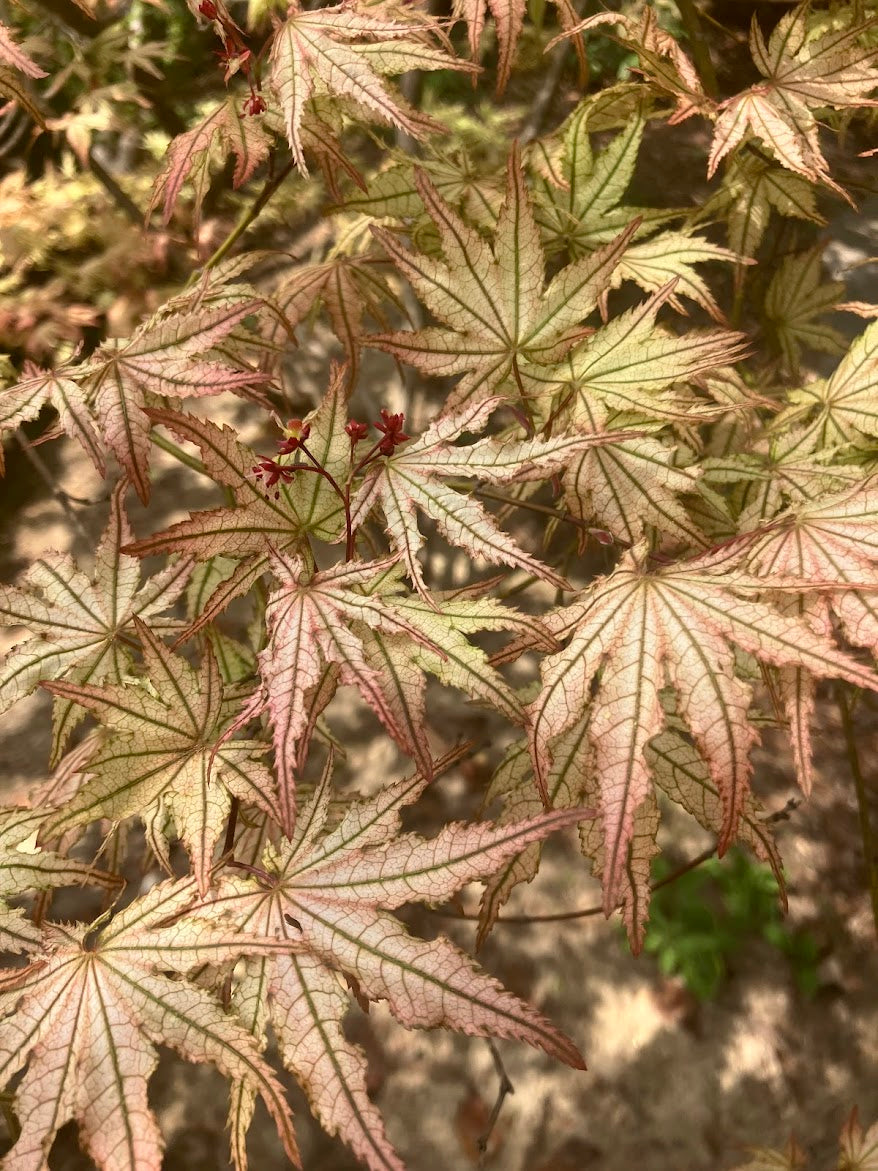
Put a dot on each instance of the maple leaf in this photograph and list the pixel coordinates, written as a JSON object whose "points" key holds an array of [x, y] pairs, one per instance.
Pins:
{"points": [[662, 61], [26, 399], [508, 20], [858, 1149], [342, 51], [794, 298], [460, 181], [190, 154], [14, 61], [628, 486], [165, 754], [802, 72], [838, 410], [310, 623], [86, 1015], [638, 626], [259, 519], [411, 480], [578, 198], [80, 624], [25, 866], [161, 358], [500, 318], [631, 369], [446, 619], [752, 187], [828, 539], [328, 894], [678, 771], [348, 287]]}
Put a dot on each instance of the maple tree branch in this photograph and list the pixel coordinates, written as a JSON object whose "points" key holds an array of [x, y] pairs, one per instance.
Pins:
{"points": [[245, 220], [870, 847], [700, 52], [583, 912], [231, 825], [544, 510], [123, 201], [503, 1090]]}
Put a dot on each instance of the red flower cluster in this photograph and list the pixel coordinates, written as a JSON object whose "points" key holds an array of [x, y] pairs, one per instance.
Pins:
{"points": [[356, 431], [255, 104], [269, 470], [208, 10], [391, 427]]}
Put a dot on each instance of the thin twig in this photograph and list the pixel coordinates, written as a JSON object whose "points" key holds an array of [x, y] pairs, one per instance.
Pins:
{"points": [[698, 45], [584, 912], [231, 825], [124, 202], [869, 845], [246, 219], [503, 1090], [45, 475], [546, 95]]}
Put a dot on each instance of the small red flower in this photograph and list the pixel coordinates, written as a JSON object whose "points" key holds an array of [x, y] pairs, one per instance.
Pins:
{"points": [[255, 105], [234, 59], [295, 434], [391, 427], [208, 10], [356, 431], [270, 472]]}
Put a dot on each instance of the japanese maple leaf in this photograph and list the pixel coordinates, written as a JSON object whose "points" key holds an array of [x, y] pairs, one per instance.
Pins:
{"points": [[460, 180], [163, 357], [508, 20], [662, 61], [259, 519], [638, 628], [190, 154], [828, 539], [313, 619], [858, 1149], [579, 196], [165, 755], [411, 480], [842, 408], [499, 317], [328, 895], [14, 61], [678, 771], [86, 1015], [402, 663], [24, 866], [348, 287], [795, 300], [26, 399], [631, 369], [343, 51], [80, 624], [754, 186], [802, 71]]}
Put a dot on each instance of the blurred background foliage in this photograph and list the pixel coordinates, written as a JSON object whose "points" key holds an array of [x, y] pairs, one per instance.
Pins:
{"points": [[699, 923]]}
